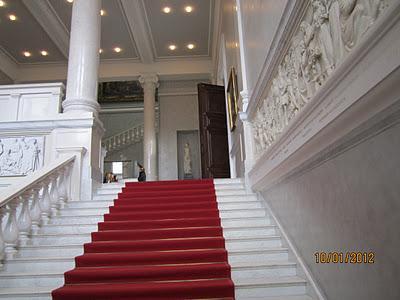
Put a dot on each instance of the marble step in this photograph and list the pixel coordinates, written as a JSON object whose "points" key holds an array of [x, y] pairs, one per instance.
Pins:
{"points": [[219, 181], [295, 297], [224, 213], [232, 191], [261, 269], [89, 206], [56, 278], [237, 235], [26, 293], [42, 264], [78, 211], [258, 228], [227, 186], [59, 239], [249, 221], [242, 213], [50, 251], [34, 279], [109, 191], [74, 220], [252, 242], [257, 255], [235, 198], [269, 286]]}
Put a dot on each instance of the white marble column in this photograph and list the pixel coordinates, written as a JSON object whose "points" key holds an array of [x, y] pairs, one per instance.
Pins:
{"points": [[149, 83], [83, 63]]}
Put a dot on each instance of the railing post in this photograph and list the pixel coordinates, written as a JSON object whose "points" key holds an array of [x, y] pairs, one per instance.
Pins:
{"points": [[10, 233]]}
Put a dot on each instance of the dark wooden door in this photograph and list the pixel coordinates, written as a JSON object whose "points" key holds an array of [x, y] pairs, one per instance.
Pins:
{"points": [[213, 131]]}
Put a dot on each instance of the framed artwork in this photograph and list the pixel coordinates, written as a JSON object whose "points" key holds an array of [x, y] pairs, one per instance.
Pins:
{"points": [[120, 91], [232, 99]]}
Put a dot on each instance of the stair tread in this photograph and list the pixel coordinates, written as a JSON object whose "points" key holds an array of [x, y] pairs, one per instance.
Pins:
{"points": [[299, 297], [26, 290], [276, 280], [262, 264]]}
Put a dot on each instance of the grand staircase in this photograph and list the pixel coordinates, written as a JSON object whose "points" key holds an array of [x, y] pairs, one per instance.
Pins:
{"points": [[259, 263]]}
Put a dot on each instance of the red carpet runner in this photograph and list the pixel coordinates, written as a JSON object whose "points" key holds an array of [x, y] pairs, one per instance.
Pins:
{"points": [[161, 240]]}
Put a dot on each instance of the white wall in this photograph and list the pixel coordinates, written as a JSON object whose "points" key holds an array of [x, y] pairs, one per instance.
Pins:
{"points": [[117, 122], [179, 112]]}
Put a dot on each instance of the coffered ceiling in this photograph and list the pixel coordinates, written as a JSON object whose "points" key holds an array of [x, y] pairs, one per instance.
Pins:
{"points": [[140, 28]]}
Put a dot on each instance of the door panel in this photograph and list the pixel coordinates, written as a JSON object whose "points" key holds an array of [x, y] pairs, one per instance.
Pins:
{"points": [[213, 131]]}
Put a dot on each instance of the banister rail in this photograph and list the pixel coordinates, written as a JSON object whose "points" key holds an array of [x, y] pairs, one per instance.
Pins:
{"points": [[31, 202]]}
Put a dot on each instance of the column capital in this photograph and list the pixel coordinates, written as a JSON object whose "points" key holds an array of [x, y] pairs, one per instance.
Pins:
{"points": [[149, 80]]}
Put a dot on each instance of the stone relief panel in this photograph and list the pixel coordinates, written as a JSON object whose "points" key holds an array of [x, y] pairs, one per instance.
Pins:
{"points": [[21, 155], [329, 30]]}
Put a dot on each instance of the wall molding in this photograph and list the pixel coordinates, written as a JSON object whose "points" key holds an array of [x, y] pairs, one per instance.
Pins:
{"points": [[368, 73]]}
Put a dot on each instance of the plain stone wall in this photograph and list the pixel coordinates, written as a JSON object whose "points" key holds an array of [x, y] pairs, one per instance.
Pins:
{"points": [[350, 202], [178, 112]]}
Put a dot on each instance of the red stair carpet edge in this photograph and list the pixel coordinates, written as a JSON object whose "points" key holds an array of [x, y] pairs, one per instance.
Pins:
{"points": [[160, 240]]}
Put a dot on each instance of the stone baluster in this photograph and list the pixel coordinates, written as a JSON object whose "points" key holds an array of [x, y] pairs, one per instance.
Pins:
{"points": [[68, 173], [35, 209], [62, 193], [54, 196], [24, 220], [11, 232], [45, 202]]}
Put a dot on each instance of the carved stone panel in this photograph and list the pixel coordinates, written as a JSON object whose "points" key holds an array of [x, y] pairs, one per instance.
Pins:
{"points": [[21, 155], [329, 30]]}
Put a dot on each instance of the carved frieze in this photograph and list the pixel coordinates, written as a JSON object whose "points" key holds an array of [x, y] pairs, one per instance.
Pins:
{"points": [[20, 155], [329, 30]]}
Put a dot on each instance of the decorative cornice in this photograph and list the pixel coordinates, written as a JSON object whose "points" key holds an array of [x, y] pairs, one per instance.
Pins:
{"points": [[46, 16]]}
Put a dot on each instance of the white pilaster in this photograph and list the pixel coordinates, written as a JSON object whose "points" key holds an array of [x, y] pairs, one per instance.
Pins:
{"points": [[248, 141], [83, 63], [149, 83]]}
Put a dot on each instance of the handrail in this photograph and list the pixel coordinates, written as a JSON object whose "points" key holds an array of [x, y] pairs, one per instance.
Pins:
{"points": [[27, 182], [31, 202]]}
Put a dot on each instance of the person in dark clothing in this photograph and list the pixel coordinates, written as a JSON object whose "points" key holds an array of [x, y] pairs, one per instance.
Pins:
{"points": [[142, 173]]}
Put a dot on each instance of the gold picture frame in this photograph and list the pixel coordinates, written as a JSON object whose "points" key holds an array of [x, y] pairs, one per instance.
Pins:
{"points": [[232, 98]]}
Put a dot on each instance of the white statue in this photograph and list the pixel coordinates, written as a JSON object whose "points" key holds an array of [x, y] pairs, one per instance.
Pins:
{"points": [[187, 160]]}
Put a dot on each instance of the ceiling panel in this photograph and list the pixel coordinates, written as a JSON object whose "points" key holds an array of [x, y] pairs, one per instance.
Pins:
{"points": [[178, 27], [4, 79], [114, 30], [25, 34]]}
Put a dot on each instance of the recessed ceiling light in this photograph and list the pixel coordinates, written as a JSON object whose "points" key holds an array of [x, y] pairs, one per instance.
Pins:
{"points": [[44, 53], [2, 3], [26, 54], [117, 49], [12, 17], [190, 46], [100, 50], [70, 1], [166, 10], [102, 12], [172, 47], [188, 9]]}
